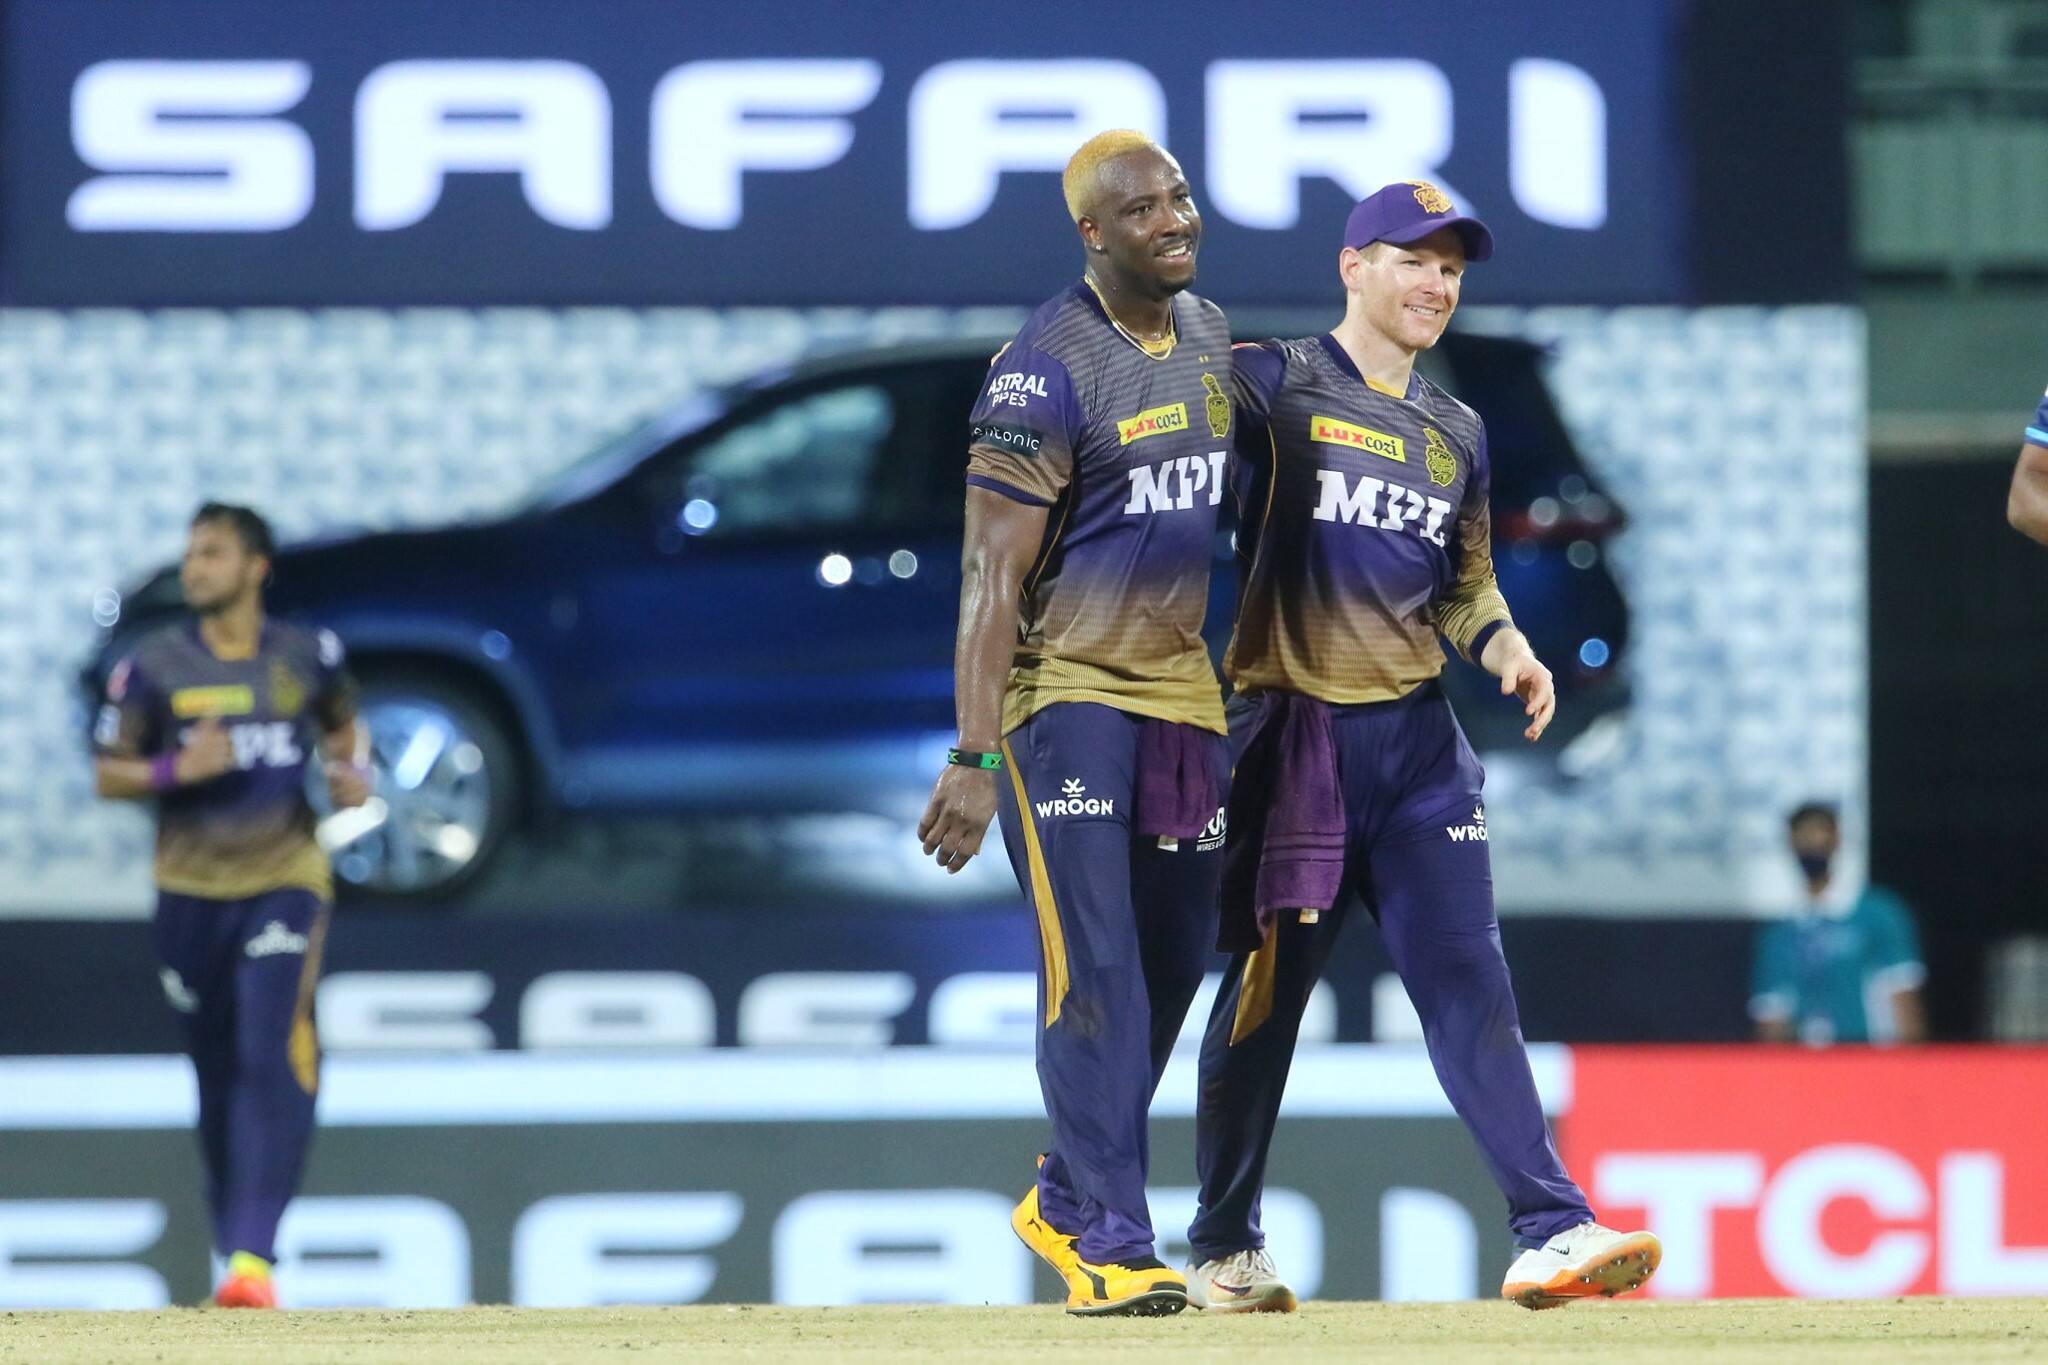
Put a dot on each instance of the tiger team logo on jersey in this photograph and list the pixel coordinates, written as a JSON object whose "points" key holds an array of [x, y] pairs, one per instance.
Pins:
{"points": [[1432, 199], [287, 693], [1442, 464], [1153, 422], [1333, 432], [1217, 406]]}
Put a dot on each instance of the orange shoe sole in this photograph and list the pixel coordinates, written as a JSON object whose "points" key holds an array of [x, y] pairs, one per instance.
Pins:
{"points": [[1618, 1271], [245, 1291]]}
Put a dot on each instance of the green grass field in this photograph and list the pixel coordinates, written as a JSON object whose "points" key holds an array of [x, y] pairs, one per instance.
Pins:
{"points": [[1772, 1330]]}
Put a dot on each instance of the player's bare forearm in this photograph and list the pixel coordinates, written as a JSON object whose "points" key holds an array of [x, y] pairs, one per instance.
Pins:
{"points": [[348, 774], [1509, 657], [204, 752], [1003, 537], [1506, 642], [122, 779], [345, 743], [2026, 507]]}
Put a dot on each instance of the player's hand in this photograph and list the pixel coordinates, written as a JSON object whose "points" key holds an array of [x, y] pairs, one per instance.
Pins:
{"points": [[1523, 675], [963, 802], [205, 752], [347, 785]]}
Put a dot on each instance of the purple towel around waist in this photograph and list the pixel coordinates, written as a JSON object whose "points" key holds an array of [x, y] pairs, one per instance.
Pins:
{"points": [[1179, 787], [1286, 849]]}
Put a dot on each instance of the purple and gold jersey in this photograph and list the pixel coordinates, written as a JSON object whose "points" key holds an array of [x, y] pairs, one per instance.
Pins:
{"points": [[1128, 447], [249, 831], [1364, 531]]}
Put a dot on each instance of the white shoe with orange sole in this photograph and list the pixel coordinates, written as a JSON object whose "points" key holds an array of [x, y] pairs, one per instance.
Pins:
{"points": [[1584, 1262]]}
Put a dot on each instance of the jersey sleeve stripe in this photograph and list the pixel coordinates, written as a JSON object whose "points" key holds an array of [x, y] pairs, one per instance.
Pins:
{"points": [[1013, 493]]}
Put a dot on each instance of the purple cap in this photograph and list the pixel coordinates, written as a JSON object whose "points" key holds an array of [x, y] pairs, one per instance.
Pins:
{"points": [[1409, 210]]}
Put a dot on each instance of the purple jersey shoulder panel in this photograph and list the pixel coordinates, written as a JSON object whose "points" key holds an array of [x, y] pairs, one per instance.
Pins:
{"points": [[1257, 370], [1026, 424], [131, 715]]}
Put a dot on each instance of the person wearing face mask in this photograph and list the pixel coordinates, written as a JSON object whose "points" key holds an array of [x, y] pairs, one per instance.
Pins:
{"points": [[1846, 968]]}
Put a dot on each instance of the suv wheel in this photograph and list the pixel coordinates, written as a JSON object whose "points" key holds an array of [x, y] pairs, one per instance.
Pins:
{"points": [[445, 785]]}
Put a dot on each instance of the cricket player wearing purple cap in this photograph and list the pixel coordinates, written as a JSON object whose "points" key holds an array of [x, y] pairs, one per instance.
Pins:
{"points": [[1090, 716], [1364, 536]]}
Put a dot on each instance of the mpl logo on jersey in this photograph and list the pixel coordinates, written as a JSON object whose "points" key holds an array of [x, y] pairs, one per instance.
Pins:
{"points": [[1841, 1174], [266, 744], [1378, 503], [1176, 484]]}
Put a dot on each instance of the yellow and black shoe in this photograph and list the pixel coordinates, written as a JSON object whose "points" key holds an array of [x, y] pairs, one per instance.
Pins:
{"points": [[1142, 1287], [1046, 1242]]}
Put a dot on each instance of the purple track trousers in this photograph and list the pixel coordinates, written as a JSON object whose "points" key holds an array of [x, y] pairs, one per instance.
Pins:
{"points": [[1126, 927], [241, 976], [1416, 854]]}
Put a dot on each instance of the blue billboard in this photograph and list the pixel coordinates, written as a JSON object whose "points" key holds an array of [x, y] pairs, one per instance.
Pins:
{"points": [[632, 151]]}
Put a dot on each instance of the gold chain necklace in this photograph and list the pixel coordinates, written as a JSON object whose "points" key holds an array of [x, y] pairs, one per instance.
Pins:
{"points": [[1159, 349]]}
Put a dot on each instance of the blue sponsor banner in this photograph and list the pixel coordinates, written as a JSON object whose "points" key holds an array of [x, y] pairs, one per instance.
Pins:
{"points": [[245, 152], [854, 978]]}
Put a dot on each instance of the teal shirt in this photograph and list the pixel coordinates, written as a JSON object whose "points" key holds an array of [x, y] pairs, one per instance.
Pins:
{"points": [[1832, 975]]}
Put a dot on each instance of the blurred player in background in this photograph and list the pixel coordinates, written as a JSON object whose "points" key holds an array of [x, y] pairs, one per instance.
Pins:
{"points": [[1364, 535], [1089, 712], [2027, 506], [215, 719], [1846, 968]]}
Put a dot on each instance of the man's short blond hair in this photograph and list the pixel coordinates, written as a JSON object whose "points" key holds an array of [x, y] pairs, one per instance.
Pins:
{"points": [[1082, 167]]}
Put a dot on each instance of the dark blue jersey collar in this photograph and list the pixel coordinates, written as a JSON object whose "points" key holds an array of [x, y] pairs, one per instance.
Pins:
{"points": [[1343, 361]]}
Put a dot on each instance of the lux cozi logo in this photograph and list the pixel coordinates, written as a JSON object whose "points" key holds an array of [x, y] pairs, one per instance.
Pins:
{"points": [[1334, 432], [1153, 422]]}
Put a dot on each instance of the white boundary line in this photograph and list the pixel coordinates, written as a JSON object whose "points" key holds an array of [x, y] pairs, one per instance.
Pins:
{"points": [[732, 1085]]}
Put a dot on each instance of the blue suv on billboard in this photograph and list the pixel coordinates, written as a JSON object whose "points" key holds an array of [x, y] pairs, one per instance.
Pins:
{"points": [[747, 604]]}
